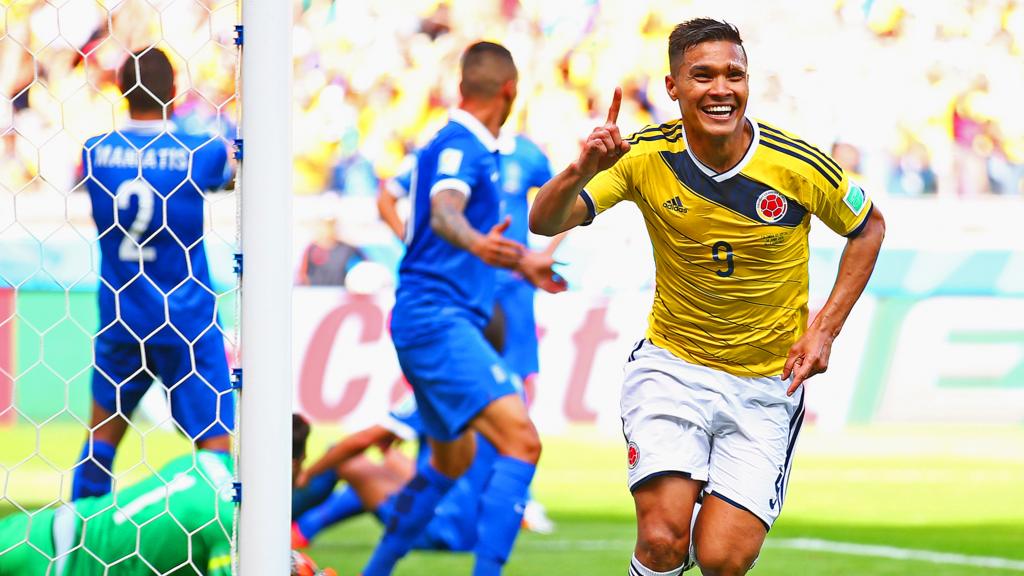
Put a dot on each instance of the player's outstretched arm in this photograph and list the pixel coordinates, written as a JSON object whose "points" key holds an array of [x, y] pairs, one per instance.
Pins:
{"points": [[809, 356], [351, 446], [448, 221], [558, 206]]}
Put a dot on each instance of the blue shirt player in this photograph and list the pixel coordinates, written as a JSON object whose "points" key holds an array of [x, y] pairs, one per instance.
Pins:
{"points": [[513, 329], [444, 299], [524, 167], [158, 315]]}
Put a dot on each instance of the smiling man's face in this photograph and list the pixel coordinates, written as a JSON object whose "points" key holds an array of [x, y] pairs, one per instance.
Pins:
{"points": [[711, 86]]}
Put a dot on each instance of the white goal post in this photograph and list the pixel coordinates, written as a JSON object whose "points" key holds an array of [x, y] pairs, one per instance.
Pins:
{"points": [[263, 541]]}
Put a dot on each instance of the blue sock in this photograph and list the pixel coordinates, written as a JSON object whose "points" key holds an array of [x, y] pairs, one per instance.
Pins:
{"points": [[338, 506], [91, 477], [501, 513], [314, 494], [414, 507]]}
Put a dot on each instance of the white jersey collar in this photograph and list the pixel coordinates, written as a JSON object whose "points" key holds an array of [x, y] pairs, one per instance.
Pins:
{"points": [[739, 165], [507, 142], [475, 127]]}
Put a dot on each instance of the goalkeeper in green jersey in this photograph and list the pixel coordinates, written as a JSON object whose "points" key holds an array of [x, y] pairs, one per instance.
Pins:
{"points": [[175, 522]]}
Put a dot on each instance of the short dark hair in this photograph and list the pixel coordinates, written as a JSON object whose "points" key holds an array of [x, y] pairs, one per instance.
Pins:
{"points": [[147, 80], [485, 67], [697, 31], [300, 434]]}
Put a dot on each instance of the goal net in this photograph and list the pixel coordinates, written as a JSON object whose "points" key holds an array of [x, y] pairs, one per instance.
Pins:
{"points": [[119, 230]]}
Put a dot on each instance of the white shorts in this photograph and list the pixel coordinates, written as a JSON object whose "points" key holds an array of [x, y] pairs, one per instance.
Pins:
{"points": [[734, 434]]}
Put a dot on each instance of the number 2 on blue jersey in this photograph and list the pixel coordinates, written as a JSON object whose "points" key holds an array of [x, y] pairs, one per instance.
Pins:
{"points": [[131, 246]]}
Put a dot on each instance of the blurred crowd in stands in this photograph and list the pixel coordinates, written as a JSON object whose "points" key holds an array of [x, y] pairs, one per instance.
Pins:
{"points": [[918, 97], [920, 94]]}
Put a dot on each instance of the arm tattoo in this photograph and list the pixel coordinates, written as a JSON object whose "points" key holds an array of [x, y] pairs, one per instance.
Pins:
{"points": [[447, 219]]}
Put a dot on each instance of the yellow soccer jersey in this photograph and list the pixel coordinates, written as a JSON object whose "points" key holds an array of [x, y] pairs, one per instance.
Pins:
{"points": [[730, 249]]}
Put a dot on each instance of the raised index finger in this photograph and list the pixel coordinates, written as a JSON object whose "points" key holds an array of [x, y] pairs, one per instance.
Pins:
{"points": [[613, 110]]}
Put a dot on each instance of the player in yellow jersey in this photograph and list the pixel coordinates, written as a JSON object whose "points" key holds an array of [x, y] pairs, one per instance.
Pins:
{"points": [[712, 399]]}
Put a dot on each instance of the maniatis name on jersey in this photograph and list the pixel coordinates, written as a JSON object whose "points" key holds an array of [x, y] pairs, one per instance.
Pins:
{"points": [[113, 156], [731, 286]]}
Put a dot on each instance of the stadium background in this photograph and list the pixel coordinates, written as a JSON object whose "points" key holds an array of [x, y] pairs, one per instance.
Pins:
{"points": [[917, 439]]}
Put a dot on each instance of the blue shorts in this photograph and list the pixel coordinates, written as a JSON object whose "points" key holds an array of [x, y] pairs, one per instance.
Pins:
{"points": [[454, 376], [515, 298], [201, 398]]}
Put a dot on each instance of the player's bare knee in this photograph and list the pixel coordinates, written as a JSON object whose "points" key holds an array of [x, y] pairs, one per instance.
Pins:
{"points": [[663, 548], [524, 447], [531, 447], [523, 443], [722, 560], [513, 435]]}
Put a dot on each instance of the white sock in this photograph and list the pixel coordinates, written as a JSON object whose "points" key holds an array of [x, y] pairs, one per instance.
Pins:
{"points": [[638, 569]]}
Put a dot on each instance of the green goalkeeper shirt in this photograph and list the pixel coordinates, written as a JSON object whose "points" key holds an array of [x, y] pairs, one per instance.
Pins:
{"points": [[178, 521]]}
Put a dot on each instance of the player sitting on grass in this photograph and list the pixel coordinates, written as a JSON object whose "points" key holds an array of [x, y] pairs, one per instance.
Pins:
{"points": [[177, 521], [373, 486]]}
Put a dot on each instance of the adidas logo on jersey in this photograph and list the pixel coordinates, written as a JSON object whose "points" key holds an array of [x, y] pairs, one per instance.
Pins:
{"points": [[676, 205]]}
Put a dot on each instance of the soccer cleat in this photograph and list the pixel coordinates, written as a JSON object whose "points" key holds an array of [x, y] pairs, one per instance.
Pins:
{"points": [[299, 541], [303, 565], [535, 518]]}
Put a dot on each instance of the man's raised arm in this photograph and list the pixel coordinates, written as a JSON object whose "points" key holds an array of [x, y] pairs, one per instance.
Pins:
{"points": [[558, 206]]}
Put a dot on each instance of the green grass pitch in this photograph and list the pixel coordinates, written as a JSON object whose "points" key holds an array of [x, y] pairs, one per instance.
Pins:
{"points": [[955, 496], [907, 501]]}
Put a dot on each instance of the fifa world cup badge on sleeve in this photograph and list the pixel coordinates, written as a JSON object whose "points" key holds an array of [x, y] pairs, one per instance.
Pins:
{"points": [[449, 161], [854, 198]]}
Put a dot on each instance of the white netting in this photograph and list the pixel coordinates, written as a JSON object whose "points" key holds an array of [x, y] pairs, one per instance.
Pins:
{"points": [[59, 94]]}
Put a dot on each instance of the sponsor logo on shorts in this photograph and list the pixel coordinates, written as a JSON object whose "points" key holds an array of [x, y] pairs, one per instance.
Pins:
{"points": [[499, 374], [778, 489], [632, 455]]}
